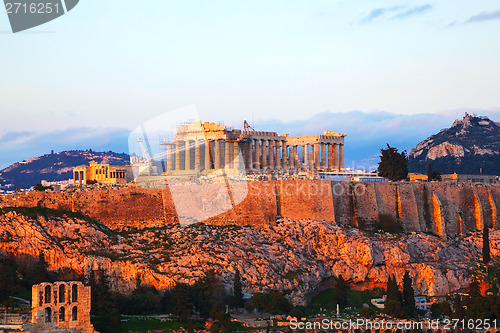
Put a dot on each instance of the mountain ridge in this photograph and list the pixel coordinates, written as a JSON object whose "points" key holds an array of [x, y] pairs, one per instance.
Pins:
{"points": [[55, 166], [470, 146]]}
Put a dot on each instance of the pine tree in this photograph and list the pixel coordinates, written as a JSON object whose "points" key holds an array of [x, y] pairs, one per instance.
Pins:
{"points": [[238, 290], [393, 165], [486, 245], [340, 292]]}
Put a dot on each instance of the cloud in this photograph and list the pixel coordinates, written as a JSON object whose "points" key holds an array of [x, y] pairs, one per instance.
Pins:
{"points": [[377, 12], [417, 10], [484, 16], [401, 12]]}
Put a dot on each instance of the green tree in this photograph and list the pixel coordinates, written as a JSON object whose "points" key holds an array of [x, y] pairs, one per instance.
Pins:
{"points": [[429, 172], [393, 300], [432, 175], [8, 280], [393, 165], [182, 301], [259, 301], [207, 291], [105, 314], [340, 292], [39, 187], [486, 245], [238, 290], [408, 295], [219, 314]]}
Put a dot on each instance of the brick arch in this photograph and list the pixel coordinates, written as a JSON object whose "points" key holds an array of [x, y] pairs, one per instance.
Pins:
{"points": [[74, 293], [62, 293], [47, 294], [62, 314], [74, 313], [47, 314]]}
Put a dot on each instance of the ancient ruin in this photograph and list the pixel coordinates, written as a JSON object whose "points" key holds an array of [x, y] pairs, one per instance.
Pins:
{"points": [[102, 173], [60, 307], [203, 147]]}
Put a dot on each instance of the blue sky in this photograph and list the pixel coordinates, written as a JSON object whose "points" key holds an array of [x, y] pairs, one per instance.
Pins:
{"points": [[87, 78]]}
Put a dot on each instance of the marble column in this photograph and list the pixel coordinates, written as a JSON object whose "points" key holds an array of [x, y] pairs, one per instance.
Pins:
{"points": [[335, 156], [291, 159], [228, 147], [187, 155], [284, 156], [217, 155], [310, 157], [278, 155], [177, 156], [236, 155], [271, 155], [341, 157], [296, 161], [256, 160], [323, 156], [316, 156], [264, 149], [208, 164], [329, 149], [249, 155], [197, 153]]}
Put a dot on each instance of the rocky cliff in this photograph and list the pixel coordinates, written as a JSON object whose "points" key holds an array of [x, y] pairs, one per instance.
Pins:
{"points": [[293, 256], [469, 146]]}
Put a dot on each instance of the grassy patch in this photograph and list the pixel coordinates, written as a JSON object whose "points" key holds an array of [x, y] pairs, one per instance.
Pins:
{"points": [[147, 324], [355, 300]]}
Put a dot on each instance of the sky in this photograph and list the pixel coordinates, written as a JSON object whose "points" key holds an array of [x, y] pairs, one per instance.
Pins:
{"points": [[88, 78]]}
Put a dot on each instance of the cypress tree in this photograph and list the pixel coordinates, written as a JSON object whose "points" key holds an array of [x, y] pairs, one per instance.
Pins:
{"points": [[238, 290], [408, 292], [340, 292], [486, 245], [430, 174]]}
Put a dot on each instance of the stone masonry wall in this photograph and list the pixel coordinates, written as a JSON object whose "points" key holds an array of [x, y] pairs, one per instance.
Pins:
{"points": [[449, 209]]}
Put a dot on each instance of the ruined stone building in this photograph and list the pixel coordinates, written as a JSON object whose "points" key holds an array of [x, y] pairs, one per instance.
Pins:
{"points": [[60, 307], [102, 173], [204, 147]]}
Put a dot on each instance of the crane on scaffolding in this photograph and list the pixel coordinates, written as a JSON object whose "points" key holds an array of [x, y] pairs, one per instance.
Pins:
{"points": [[248, 127], [144, 150]]}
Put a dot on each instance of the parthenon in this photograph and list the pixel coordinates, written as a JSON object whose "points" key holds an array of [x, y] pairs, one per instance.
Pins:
{"points": [[204, 147]]}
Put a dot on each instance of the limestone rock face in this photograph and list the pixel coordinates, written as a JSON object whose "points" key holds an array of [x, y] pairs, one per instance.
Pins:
{"points": [[470, 146], [293, 256]]}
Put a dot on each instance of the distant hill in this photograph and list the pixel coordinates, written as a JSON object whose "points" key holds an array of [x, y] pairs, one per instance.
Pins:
{"points": [[57, 166], [469, 146]]}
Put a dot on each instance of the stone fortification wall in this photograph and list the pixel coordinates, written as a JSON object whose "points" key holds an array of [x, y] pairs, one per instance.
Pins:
{"points": [[447, 209]]}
